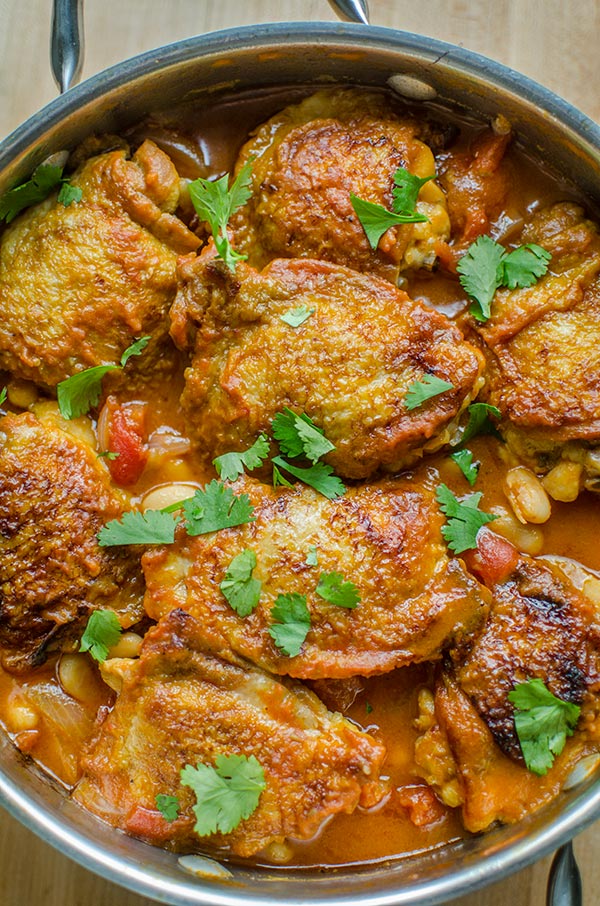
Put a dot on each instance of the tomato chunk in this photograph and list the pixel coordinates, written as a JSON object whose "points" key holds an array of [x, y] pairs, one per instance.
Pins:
{"points": [[494, 558], [125, 436]]}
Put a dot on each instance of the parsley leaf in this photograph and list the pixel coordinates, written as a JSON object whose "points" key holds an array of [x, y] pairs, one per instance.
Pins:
{"points": [[525, 265], [542, 722], [3, 395], [320, 477], [230, 466], [464, 461], [225, 794], [332, 587], [168, 806], [69, 194], [298, 435], [479, 421], [108, 454], [103, 630], [406, 190], [278, 479], [216, 507], [151, 527], [293, 623], [136, 348], [297, 316], [376, 220], [44, 179], [368, 707], [481, 274], [424, 390], [238, 586], [312, 557], [464, 519], [215, 202]]}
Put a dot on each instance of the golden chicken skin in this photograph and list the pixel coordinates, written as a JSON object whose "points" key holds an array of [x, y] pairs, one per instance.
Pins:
{"points": [[55, 494], [308, 160], [78, 284], [540, 627], [349, 365], [185, 704], [410, 600], [542, 346]]}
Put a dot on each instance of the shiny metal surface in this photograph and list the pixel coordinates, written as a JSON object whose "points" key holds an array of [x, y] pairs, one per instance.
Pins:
{"points": [[197, 70], [564, 882], [66, 42], [351, 10]]}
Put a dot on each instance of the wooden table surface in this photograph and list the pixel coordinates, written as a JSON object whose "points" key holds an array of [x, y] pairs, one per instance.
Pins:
{"points": [[553, 41]]}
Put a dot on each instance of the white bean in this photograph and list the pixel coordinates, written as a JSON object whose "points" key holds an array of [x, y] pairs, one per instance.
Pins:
{"points": [[21, 715], [78, 678], [563, 482], [167, 494], [528, 539], [128, 646], [526, 495]]}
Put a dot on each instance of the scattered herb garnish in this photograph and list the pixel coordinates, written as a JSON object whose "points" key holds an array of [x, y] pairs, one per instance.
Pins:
{"points": [[215, 507], [479, 421], [542, 722], [215, 202], [293, 623], [225, 794], [464, 519], [423, 390], [78, 393], [297, 316], [368, 707], [3, 395], [103, 630], [168, 806], [376, 220], [312, 557], [44, 179], [320, 477], [298, 435], [150, 527], [486, 266], [333, 588], [279, 479], [230, 466], [108, 454], [238, 586], [464, 461]]}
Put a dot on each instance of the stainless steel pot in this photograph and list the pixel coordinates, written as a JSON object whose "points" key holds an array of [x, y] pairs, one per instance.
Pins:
{"points": [[202, 68]]}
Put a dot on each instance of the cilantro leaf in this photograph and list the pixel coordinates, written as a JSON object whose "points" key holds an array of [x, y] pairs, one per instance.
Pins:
{"points": [[168, 806], [406, 190], [298, 435], [69, 194], [108, 454], [215, 507], [297, 316], [481, 273], [238, 586], [479, 421], [332, 587], [542, 722], [225, 794], [45, 178], [464, 519], [278, 479], [293, 623], [368, 707], [103, 630], [151, 527], [424, 390], [136, 348], [464, 461], [312, 557], [3, 395], [376, 220], [215, 202], [320, 477], [78, 393], [523, 266], [230, 466]]}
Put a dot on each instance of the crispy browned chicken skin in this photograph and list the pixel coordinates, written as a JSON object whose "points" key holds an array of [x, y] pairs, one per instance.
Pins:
{"points": [[55, 495], [542, 345], [307, 161], [185, 702], [539, 627], [348, 366], [78, 284], [384, 537]]}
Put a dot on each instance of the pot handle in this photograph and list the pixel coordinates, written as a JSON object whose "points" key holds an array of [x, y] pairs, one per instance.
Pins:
{"points": [[66, 47], [564, 882]]}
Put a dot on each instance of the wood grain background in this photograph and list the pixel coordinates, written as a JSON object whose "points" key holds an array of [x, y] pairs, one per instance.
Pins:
{"points": [[553, 41]]}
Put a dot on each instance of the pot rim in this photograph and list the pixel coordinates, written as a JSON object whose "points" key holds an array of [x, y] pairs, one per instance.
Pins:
{"points": [[43, 819]]}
